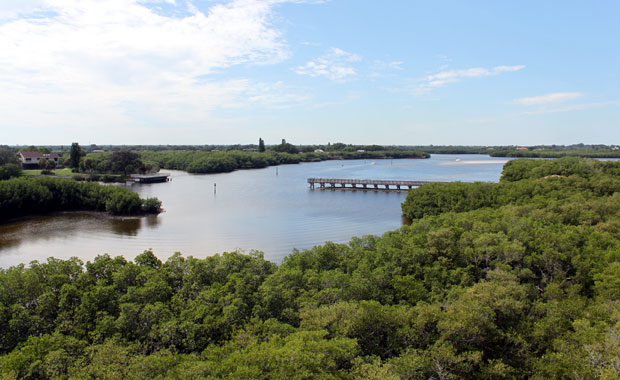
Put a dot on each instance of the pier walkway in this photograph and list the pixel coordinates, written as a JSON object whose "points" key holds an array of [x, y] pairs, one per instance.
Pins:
{"points": [[365, 184]]}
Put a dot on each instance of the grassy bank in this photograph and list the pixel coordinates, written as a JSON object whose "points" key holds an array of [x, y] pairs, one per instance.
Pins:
{"points": [[58, 172]]}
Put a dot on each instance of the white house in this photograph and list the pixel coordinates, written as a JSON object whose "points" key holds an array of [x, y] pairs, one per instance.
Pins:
{"points": [[30, 160]]}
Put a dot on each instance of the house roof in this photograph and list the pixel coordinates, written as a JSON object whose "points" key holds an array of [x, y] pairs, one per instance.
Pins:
{"points": [[38, 155]]}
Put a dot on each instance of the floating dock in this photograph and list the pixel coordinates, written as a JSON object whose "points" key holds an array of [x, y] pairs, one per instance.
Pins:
{"points": [[365, 184], [150, 178]]}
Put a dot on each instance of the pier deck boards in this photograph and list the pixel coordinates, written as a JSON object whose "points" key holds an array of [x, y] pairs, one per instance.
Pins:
{"points": [[365, 184]]}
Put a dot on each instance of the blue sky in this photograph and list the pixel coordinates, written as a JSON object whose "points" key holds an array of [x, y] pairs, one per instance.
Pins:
{"points": [[386, 72]]}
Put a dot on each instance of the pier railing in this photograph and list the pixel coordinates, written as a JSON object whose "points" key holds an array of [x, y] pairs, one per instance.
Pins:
{"points": [[368, 184]]}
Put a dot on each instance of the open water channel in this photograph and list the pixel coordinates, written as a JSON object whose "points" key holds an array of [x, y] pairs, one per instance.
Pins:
{"points": [[271, 210]]}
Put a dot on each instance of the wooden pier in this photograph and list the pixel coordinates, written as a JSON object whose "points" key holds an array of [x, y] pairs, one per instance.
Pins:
{"points": [[149, 178], [365, 184]]}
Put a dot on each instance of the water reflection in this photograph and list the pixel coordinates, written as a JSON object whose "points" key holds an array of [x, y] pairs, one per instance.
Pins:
{"points": [[41, 229], [127, 227]]}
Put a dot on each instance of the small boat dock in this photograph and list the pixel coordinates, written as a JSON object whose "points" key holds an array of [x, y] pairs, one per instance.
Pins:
{"points": [[365, 184], [149, 178]]}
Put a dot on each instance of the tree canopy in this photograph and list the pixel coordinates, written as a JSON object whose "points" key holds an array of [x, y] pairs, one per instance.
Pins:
{"points": [[74, 155]]}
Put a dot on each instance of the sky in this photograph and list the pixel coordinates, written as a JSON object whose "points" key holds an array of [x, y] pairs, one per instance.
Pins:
{"points": [[393, 72]]}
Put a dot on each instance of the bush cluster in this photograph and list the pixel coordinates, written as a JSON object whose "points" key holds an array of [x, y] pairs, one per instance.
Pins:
{"points": [[10, 171], [26, 196]]}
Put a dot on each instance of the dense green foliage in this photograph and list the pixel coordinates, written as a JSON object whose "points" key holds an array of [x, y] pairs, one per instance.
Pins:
{"points": [[261, 145], [536, 182], [10, 171], [8, 156], [555, 151], [219, 162], [74, 155], [123, 162], [26, 196], [285, 148], [519, 282]]}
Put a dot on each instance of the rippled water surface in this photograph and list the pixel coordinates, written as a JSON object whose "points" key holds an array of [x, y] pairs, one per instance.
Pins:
{"points": [[271, 210]]}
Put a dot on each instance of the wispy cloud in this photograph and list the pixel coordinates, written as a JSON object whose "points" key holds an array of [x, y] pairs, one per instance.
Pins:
{"points": [[572, 107], [274, 95], [336, 65], [556, 97], [442, 78], [118, 58], [551, 103]]}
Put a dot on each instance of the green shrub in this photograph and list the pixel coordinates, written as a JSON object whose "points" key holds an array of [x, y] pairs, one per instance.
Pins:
{"points": [[123, 203], [10, 171], [151, 205], [23, 196]]}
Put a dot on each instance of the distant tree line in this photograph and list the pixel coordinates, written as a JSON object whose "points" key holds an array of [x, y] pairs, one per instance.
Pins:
{"points": [[556, 153], [219, 162]]}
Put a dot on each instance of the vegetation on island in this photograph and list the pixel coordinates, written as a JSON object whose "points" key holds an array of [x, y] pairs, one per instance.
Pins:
{"points": [[515, 280], [122, 162], [27, 196], [118, 164], [226, 161]]}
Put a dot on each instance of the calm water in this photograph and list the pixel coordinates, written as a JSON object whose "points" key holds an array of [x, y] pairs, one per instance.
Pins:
{"points": [[252, 209]]}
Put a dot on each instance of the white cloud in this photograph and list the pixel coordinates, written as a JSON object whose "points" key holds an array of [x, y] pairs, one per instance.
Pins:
{"points": [[90, 62], [504, 69], [572, 107], [335, 65], [556, 97], [442, 78]]}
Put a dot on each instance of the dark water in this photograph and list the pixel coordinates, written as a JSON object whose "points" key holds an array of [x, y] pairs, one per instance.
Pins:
{"points": [[252, 209]]}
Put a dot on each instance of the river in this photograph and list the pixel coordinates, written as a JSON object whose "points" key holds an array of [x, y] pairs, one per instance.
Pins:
{"points": [[271, 210]]}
